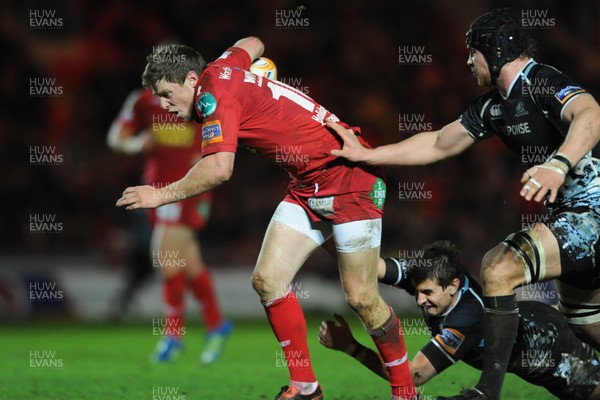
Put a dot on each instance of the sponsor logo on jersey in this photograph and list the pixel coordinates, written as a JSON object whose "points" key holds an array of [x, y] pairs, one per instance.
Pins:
{"points": [[249, 77], [207, 104], [566, 93], [225, 73], [496, 111], [515, 129], [450, 339], [521, 111], [211, 132], [322, 205], [378, 193]]}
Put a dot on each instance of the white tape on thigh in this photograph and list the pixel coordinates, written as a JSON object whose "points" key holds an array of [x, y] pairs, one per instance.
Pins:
{"points": [[295, 217], [528, 247], [357, 235]]}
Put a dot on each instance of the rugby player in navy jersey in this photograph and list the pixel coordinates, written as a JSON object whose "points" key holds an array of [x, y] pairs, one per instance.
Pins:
{"points": [[530, 106], [546, 352]]}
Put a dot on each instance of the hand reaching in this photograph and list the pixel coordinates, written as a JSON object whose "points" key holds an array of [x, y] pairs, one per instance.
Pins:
{"points": [[141, 197], [336, 337], [352, 149]]}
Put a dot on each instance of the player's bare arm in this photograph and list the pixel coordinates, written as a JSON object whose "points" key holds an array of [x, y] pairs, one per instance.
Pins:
{"points": [[583, 114], [421, 148], [123, 139], [253, 46], [208, 173], [421, 369], [339, 337]]}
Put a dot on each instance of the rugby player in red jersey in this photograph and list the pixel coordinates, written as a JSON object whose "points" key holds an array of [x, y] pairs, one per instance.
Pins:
{"points": [[171, 148], [327, 196]]}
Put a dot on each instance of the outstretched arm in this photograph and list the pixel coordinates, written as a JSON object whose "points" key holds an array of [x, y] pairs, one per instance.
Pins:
{"points": [[206, 174], [421, 148], [253, 46], [339, 337], [421, 369]]}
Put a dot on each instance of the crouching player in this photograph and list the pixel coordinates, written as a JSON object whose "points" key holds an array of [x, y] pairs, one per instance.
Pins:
{"points": [[546, 352]]}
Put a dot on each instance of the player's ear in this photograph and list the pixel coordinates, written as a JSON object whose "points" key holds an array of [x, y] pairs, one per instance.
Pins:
{"points": [[454, 285], [192, 78]]}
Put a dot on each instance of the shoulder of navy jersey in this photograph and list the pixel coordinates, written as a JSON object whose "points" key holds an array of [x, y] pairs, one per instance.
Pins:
{"points": [[551, 88], [468, 311], [475, 116]]}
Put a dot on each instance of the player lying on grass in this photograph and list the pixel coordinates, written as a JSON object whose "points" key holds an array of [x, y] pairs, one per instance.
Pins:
{"points": [[528, 106], [546, 352]]}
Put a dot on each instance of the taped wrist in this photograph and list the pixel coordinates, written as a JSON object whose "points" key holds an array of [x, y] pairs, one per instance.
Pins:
{"points": [[560, 163], [562, 157]]}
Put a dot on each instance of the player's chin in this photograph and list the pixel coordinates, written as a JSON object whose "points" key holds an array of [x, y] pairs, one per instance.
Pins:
{"points": [[483, 81], [431, 310]]}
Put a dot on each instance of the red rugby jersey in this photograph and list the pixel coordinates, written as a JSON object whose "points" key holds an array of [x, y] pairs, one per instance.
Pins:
{"points": [[238, 108]]}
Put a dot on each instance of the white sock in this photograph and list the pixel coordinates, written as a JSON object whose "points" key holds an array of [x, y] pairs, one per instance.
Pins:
{"points": [[305, 387]]}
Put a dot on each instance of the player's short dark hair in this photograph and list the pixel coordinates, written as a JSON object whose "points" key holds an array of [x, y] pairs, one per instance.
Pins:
{"points": [[171, 62], [439, 262], [530, 47]]}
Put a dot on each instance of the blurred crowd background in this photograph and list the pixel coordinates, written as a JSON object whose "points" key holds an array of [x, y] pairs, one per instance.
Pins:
{"points": [[344, 54]]}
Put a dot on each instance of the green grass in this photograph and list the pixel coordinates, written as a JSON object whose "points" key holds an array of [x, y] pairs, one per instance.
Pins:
{"points": [[101, 362]]}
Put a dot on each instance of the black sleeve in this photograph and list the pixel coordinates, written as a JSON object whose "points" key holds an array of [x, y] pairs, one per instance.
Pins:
{"points": [[449, 346], [552, 90], [460, 335], [396, 274], [474, 116]]}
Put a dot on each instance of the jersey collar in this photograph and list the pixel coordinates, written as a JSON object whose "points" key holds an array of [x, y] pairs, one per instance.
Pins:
{"points": [[518, 75], [460, 293]]}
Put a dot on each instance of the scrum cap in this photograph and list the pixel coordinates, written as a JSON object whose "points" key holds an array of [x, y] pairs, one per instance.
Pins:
{"points": [[498, 35]]}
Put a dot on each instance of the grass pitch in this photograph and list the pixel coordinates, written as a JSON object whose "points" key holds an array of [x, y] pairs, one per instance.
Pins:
{"points": [[101, 362]]}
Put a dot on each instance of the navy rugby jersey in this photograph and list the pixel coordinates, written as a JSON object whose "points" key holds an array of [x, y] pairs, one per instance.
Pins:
{"points": [[458, 333], [545, 352], [529, 121]]}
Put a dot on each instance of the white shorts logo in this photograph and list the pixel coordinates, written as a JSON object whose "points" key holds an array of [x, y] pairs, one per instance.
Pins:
{"points": [[322, 206]]}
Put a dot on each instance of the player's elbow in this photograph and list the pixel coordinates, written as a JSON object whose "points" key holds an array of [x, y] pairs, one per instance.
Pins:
{"points": [[256, 46], [418, 379], [420, 371], [222, 174], [218, 166], [221, 178]]}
